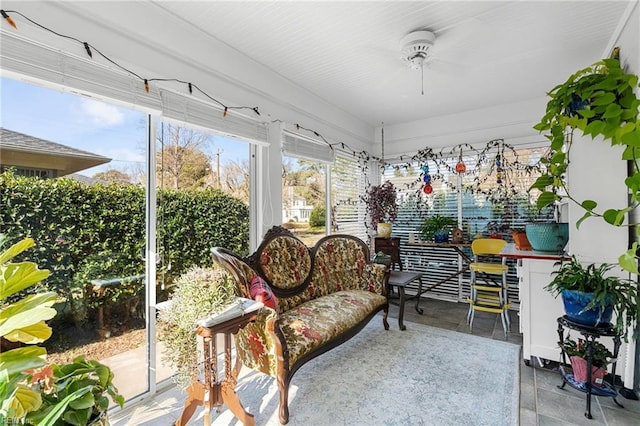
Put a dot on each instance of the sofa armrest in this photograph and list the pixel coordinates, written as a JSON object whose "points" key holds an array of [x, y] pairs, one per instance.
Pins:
{"points": [[257, 344]]}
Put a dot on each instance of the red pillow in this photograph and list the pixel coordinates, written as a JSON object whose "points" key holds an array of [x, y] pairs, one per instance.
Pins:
{"points": [[260, 291]]}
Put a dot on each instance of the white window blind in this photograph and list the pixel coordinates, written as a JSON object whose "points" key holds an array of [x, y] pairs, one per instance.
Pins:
{"points": [[65, 70], [480, 216], [301, 146], [187, 109], [347, 183]]}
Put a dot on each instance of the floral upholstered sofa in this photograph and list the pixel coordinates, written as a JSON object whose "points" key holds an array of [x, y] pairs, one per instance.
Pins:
{"points": [[322, 296]]}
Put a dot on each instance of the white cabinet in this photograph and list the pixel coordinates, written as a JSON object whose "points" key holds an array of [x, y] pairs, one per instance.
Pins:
{"points": [[539, 310]]}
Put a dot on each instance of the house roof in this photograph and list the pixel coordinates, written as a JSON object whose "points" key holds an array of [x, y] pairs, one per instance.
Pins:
{"points": [[21, 150]]}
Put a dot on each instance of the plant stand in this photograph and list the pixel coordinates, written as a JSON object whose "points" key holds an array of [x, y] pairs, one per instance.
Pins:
{"points": [[215, 392], [591, 334]]}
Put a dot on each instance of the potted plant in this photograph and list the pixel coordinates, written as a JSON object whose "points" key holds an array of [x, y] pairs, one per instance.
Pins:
{"points": [[382, 208], [590, 297], [600, 101], [436, 228], [30, 390], [577, 353], [199, 292]]}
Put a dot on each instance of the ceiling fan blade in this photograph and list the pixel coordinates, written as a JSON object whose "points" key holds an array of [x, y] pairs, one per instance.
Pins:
{"points": [[456, 34]]}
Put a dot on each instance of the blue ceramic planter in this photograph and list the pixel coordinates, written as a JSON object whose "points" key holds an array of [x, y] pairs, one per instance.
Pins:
{"points": [[441, 237], [574, 304]]}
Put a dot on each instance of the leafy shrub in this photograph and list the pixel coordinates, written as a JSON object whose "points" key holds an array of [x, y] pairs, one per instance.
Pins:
{"points": [[317, 216], [75, 223]]}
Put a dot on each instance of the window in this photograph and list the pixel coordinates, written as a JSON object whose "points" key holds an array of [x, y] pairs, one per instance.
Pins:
{"points": [[347, 183], [486, 208]]}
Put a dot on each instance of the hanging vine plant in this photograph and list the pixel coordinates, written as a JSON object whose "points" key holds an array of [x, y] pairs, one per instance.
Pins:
{"points": [[599, 101]]}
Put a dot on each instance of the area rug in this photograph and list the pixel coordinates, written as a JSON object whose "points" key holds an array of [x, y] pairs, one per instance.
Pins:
{"points": [[420, 376]]}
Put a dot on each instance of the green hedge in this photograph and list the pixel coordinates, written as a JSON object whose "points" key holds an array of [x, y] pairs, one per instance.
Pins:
{"points": [[95, 231]]}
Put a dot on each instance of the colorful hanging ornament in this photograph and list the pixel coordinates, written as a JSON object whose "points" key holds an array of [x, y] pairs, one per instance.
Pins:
{"points": [[427, 189], [461, 167], [498, 170]]}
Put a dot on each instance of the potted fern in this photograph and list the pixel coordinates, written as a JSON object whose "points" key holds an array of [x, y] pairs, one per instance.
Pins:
{"points": [[591, 295], [437, 228]]}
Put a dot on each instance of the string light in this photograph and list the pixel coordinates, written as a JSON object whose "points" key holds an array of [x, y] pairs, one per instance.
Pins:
{"points": [[88, 49], [441, 159], [8, 19]]}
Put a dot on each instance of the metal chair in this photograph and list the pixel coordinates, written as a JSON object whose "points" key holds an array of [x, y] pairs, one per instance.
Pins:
{"points": [[490, 296]]}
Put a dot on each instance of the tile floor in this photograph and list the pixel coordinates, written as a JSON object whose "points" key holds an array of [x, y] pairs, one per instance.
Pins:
{"points": [[541, 402]]}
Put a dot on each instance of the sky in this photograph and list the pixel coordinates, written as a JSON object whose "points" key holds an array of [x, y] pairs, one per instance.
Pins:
{"points": [[90, 125]]}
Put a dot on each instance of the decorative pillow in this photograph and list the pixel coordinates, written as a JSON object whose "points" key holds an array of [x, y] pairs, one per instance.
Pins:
{"points": [[260, 292]]}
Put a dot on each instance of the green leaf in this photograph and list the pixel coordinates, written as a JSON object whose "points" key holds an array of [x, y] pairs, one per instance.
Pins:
{"points": [[628, 260], [613, 217], [589, 204], [545, 199], [594, 128], [16, 249], [85, 401], [27, 312], [631, 153], [582, 219], [542, 182], [631, 138], [36, 333], [15, 277], [605, 99], [59, 409], [21, 359]]}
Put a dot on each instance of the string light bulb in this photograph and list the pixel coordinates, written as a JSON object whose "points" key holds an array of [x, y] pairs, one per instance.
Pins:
{"points": [[88, 49], [146, 85], [8, 19], [224, 114]]}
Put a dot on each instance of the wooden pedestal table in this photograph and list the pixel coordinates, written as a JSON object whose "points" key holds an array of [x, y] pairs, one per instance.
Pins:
{"points": [[213, 392]]}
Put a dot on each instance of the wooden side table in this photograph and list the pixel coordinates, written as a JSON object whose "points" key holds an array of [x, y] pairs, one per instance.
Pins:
{"points": [[390, 246], [213, 392]]}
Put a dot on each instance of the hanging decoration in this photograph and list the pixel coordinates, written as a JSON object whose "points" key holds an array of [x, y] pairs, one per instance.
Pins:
{"points": [[427, 189], [489, 161], [461, 167]]}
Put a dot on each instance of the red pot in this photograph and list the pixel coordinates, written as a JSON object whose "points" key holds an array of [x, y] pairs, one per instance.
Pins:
{"points": [[579, 367]]}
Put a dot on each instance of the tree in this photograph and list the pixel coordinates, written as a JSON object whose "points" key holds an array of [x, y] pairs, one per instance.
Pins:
{"points": [[235, 180], [112, 176], [181, 163]]}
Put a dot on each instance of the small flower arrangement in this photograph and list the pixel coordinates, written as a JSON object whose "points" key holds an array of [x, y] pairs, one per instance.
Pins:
{"points": [[381, 203], [601, 354]]}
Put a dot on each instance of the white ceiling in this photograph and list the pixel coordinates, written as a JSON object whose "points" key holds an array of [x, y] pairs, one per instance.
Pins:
{"points": [[347, 54]]}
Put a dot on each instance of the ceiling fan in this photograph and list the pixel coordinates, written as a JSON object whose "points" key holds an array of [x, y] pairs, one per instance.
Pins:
{"points": [[416, 48]]}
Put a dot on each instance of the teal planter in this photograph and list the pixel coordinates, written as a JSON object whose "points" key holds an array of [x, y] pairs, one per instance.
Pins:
{"points": [[550, 236]]}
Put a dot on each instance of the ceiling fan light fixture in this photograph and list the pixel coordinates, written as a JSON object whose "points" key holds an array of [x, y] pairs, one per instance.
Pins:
{"points": [[416, 46]]}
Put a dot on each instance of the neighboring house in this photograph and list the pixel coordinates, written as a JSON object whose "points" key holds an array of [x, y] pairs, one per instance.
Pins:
{"points": [[31, 156], [295, 209]]}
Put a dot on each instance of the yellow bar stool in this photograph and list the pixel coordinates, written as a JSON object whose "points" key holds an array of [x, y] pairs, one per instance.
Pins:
{"points": [[490, 296]]}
